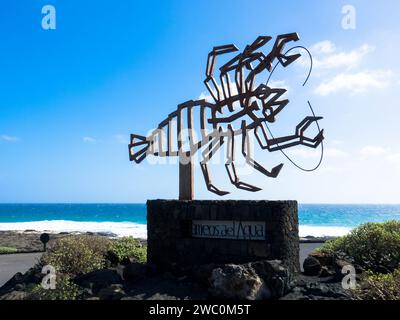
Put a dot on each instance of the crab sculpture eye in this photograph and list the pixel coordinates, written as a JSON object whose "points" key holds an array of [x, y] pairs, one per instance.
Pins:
{"points": [[268, 113], [263, 92]]}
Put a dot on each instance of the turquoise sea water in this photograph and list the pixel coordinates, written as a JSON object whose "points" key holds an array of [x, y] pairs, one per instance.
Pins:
{"points": [[73, 212], [123, 219]]}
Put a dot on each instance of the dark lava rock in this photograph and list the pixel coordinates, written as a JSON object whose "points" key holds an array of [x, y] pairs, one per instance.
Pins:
{"points": [[106, 234], [237, 282], [251, 281], [113, 292], [313, 288], [112, 257], [311, 266], [358, 268], [276, 276], [151, 269], [338, 266], [98, 280], [15, 295], [202, 273], [326, 272], [323, 258], [20, 287], [19, 280], [134, 271]]}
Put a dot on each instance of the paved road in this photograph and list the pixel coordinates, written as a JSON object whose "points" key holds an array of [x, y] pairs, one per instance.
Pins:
{"points": [[10, 264]]}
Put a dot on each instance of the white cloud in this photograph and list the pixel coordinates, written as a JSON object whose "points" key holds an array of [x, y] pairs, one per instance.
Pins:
{"points": [[337, 142], [88, 139], [8, 138], [331, 169], [355, 82], [206, 96], [378, 153], [394, 157], [386, 154], [334, 153], [316, 153], [281, 84], [373, 151], [119, 138], [304, 153], [327, 56], [323, 47]]}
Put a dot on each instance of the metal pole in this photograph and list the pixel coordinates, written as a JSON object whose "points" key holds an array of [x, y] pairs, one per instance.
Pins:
{"points": [[186, 191]]}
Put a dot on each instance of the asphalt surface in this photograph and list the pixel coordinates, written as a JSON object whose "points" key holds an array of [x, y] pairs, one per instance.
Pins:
{"points": [[10, 264]]}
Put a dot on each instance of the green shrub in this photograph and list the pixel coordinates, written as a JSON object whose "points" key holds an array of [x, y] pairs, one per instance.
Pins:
{"points": [[376, 286], [76, 255], [128, 247], [65, 290], [334, 247], [373, 246], [8, 250]]}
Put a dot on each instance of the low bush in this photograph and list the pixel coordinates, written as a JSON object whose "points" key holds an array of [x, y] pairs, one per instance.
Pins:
{"points": [[373, 246], [377, 286], [129, 247], [65, 290], [76, 255], [8, 250]]}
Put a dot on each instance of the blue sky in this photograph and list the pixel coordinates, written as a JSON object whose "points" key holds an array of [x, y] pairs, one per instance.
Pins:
{"points": [[70, 97]]}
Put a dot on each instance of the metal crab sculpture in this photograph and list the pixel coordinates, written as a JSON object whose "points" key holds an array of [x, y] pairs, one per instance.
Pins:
{"points": [[258, 106]]}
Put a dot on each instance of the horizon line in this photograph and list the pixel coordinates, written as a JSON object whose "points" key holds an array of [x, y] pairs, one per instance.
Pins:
{"points": [[144, 203]]}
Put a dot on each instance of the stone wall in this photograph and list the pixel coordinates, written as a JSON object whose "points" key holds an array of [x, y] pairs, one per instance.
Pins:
{"points": [[170, 240]]}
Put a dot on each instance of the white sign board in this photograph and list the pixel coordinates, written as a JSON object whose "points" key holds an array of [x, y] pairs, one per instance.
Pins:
{"points": [[244, 230]]}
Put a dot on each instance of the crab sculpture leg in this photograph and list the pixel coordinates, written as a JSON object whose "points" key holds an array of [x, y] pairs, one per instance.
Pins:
{"points": [[230, 164], [273, 173], [216, 141]]}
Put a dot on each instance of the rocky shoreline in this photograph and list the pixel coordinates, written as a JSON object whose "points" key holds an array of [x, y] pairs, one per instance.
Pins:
{"points": [[312, 239], [28, 241]]}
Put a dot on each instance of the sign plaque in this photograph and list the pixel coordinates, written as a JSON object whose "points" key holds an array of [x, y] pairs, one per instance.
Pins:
{"points": [[241, 230]]}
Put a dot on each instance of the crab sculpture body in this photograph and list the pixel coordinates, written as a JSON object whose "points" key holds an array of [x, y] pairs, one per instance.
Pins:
{"points": [[236, 98]]}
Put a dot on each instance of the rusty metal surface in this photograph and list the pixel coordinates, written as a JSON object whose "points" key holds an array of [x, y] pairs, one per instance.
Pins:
{"points": [[258, 105]]}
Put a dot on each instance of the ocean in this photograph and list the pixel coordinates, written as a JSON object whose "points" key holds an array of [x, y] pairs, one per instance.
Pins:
{"points": [[130, 219]]}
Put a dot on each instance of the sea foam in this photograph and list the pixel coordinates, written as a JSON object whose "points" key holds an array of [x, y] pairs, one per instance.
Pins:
{"points": [[323, 231], [138, 230]]}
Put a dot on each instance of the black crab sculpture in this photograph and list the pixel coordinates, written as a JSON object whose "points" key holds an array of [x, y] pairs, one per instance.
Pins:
{"points": [[258, 106]]}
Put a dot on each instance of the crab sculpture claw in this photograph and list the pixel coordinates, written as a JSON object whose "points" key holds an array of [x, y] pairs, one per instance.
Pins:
{"points": [[303, 126]]}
